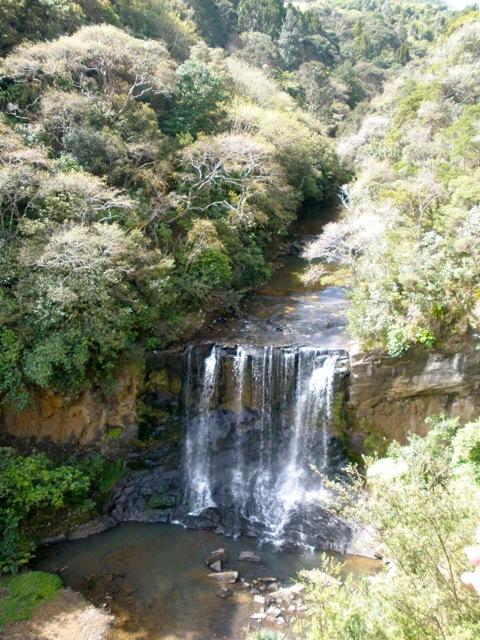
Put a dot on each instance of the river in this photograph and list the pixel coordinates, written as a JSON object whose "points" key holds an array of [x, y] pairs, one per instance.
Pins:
{"points": [[247, 460]]}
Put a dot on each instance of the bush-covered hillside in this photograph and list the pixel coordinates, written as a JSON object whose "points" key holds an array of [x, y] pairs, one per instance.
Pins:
{"points": [[139, 195], [411, 229]]}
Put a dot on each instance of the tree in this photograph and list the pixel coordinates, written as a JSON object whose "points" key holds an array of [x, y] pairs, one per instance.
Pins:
{"points": [[36, 20], [290, 40], [261, 15], [234, 177], [258, 50], [199, 100], [215, 20], [421, 505]]}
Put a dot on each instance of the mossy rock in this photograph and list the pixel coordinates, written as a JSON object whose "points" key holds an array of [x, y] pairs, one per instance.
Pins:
{"points": [[161, 500], [165, 381]]}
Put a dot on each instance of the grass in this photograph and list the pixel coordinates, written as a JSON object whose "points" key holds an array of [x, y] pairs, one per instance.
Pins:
{"points": [[24, 592]]}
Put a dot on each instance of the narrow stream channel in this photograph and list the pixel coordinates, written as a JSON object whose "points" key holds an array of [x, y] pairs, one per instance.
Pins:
{"points": [[152, 576]]}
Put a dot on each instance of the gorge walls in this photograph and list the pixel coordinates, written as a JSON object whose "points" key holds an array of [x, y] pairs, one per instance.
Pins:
{"points": [[394, 396], [87, 418]]}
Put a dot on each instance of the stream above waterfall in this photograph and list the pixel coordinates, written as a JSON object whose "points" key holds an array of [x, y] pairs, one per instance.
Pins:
{"points": [[285, 311]]}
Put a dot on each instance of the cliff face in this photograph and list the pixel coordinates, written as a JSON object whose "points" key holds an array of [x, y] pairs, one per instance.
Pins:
{"points": [[386, 396], [394, 396], [87, 418]]}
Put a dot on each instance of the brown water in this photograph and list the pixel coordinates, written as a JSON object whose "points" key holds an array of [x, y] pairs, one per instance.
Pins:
{"points": [[152, 577], [285, 311]]}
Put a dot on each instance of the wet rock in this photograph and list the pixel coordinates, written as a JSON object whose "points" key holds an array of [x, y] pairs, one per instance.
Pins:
{"points": [[249, 556], [99, 525], [219, 555], [288, 593], [265, 580], [226, 577], [216, 566]]}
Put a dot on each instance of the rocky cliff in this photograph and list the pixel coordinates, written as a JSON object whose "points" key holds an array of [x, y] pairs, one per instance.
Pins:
{"points": [[394, 396], [90, 417]]}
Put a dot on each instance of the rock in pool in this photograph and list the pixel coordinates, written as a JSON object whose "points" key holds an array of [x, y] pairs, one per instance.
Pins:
{"points": [[215, 556], [225, 577], [249, 556]]}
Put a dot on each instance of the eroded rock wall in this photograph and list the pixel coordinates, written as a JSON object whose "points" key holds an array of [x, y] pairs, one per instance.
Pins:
{"points": [[394, 396], [90, 417]]}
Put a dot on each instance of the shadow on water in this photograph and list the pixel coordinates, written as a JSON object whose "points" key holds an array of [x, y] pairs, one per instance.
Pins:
{"points": [[152, 578]]}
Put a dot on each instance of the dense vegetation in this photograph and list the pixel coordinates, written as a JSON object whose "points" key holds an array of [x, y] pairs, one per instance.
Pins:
{"points": [[137, 197], [422, 503], [40, 497], [145, 177], [411, 229]]}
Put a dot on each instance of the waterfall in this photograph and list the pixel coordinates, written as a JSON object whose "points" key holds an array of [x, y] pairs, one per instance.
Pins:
{"points": [[257, 436], [199, 439]]}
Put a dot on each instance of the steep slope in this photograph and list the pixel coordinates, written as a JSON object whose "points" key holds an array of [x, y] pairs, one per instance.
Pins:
{"points": [[411, 226]]}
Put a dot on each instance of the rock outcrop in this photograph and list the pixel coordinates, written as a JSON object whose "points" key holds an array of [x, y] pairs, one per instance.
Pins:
{"points": [[88, 418], [394, 396]]}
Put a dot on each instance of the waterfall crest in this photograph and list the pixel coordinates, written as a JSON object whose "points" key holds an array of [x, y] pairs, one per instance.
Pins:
{"points": [[258, 430]]}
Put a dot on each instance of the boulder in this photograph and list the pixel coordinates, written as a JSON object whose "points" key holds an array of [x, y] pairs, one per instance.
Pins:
{"points": [[288, 593], [215, 556], [258, 616], [273, 612], [216, 566], [248, 556], [225, 577]]}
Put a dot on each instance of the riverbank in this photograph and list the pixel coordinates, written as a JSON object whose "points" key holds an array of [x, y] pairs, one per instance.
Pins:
{"points": [[68, 616]]}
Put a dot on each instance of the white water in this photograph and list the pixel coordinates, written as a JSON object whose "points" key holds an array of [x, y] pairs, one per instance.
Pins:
{"points": [[261, 473], [199, 491]]}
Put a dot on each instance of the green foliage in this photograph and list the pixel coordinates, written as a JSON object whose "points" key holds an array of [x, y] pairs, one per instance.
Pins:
{"points": [[261, 15], [215, 20], [24, 593], [421, 505], [35, 488], [36, 20], [417, 278], [290, 39], [199, 100], [28, 484]]}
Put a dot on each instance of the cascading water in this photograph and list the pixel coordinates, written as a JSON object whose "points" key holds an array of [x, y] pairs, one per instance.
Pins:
{"points": [[198, 440], [257, 437]]}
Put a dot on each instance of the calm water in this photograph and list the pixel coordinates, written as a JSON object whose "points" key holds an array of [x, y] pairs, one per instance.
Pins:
{"points": [[153, 579], [284, 311]]}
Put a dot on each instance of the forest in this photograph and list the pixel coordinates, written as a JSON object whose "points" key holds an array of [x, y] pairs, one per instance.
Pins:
{"points": [[154, 156]]}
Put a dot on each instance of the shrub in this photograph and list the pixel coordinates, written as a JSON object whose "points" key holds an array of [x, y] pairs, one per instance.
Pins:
{"points": [[424, 511], [34, 489]]}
